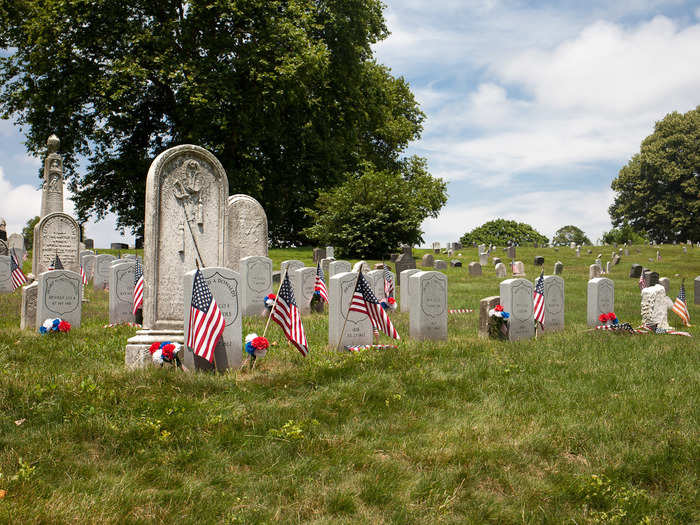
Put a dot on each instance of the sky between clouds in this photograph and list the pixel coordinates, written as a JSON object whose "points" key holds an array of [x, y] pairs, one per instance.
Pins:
{"points": [[532, 107]]}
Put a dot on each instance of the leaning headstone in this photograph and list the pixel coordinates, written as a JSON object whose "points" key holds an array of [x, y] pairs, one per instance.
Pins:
{"points": [[256, 283], [440, 264], [56, 234], [121, 292], [405, 289], [319, 253], [303, 281], [5, 274], [486, 304], [336, 267], [666, 283], [59, 295], [28, 313], [553, 303], [246, 230], [558, 268], [291, 265], [539, 260], [428, 260], [601, 298], [474, 269], [635, 271], [501, 270], [16, 242], [100, 279], [428, 312], [346, 328], [186, 198], [516, 298], [225, 286], [593, 271]]}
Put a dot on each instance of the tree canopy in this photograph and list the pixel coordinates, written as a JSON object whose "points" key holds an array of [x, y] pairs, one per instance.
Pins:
{"points": [[623, 234], [501, 232], [286, 94], [373, 212], [568, 234], [658, 191]]}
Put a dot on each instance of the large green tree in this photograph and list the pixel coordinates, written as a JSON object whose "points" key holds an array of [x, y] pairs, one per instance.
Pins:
{"points": [[285, 93], [658, 191], [568, 234], [502, 231]]}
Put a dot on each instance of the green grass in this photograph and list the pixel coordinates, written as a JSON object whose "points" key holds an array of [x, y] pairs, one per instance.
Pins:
{"points": [[576, 427]]}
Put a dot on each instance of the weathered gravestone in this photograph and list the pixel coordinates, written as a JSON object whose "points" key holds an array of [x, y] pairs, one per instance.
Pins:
{"points": [[653, 278], [655, 305], [539, 260], [319, 253], [336, 267], [666, 283], [405, 261], [594, 271], [121, 292], [5, 274], [558, 268], [481, 249], [326, 267], [303, 281], [616, 259], [501, 270], [28, 313], [635, 271], [405, 289], [60, 294], [510, 252], [225, 286], [56, 234], [483, 259], [486, 304], [100, 279], [601, 298], [518, 268], [330, 252], [290, 265], [516, 298], [186, 198], [360, 266], [83, 254], [428, 260], [428, 312], [553, 303], [88, 262], [246, 230], [256, 283], [357, 329], [440, 264], [496, 260], [16, 242], [474, 269]]}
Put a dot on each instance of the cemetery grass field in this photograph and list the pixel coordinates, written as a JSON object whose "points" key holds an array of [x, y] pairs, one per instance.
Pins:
{"points": [[574, 427]]}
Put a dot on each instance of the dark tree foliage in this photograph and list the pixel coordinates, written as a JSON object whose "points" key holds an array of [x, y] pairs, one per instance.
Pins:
{"points": [[285, 93], [658, 191], [501, 232], [28, 232], [623, 234], [568, 234]]}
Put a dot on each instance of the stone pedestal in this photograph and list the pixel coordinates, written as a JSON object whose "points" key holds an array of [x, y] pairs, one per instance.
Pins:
{"points": [[137, 353]]}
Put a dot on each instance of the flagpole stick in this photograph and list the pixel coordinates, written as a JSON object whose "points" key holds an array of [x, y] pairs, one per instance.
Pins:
{"points": [[275, 303], [340, 339]]}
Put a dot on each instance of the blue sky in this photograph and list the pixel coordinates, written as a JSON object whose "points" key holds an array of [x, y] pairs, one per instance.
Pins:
{"points": [[532, 107]]}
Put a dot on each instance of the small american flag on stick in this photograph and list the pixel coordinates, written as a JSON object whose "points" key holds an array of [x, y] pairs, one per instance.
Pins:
{"points": [[286, 314], [365, 302], [389, 286], [681, 307], [56, 264], [642, 281], [138, 287], [538, 300], [17, 275], [320, 285], [206, 321]]}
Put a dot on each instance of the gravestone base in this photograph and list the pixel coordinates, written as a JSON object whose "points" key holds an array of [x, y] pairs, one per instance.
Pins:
{"points": [[137, 348]]}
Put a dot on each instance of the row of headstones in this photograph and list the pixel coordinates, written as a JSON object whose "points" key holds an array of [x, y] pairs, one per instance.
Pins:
{"points": [[476, 268]]}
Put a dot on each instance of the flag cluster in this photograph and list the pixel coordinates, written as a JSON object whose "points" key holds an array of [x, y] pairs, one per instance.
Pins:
{"points": [[206, 321], [286, 314], [16, 275], [365, 302]]}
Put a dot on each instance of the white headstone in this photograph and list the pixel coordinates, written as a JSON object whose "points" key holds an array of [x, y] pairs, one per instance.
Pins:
{"points": [[360, 266], [655, 305], [405, 289], [121, 291], [666, 283], [501, 270], [336, 267], [256, 283], [516, 299], [553, 303], [594, 271], [519, 268], [375, 278], [56, 234], [225, 286], [330, 252], [601, 299], [358, 328], [483, 259], [103, 262], [290, 265], [88, 262], [60, 295], [5, 274], [246, 230], [303, 281], [428, 311]]}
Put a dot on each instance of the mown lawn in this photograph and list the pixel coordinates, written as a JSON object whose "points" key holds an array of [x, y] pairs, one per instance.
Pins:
{"points": [[575, 427]]}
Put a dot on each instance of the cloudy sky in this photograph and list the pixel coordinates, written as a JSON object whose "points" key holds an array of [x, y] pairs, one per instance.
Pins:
{"points": [[532, 107]]}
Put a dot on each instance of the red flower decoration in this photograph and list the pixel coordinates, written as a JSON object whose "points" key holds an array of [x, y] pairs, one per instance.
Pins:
{"points": [[168, 352], [391, 300], [498, 308], [271, 296], [611, 316], [64, 326], [603, 318], [260, 343], [154, 347]]}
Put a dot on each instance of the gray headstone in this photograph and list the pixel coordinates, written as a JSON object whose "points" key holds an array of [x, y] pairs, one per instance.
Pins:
{"points": [[256, 283], [88, 262], [225, 286], [83, 254], [28, 313], [103, 261], [52, 188], [516, 298], [627, 252], [553, 303], [594, 271], [5, 274], [696, 291], [653, 278], [486, 304], [510, 252], [635, 271], [405, 289], [336, 267], [16, 241], [290, 265], [440, 264], [319, 253], [601, 298], [480, 249], [121, 292], [303, 281], [455, 263], [539, 260], [428, 260], [4, 250], [428, 312], [403, 262], [578, 252], [501, 270], [118, 246], [474, 269], [666, 283], [57, 233], [246, 230], [358, 328], [558, 268], [60, 294]]}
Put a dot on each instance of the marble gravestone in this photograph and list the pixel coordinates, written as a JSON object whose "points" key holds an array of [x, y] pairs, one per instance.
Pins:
{"points": [[501, 270], [358, 328], [56, 234], [83, 254], [5, 274], [121, 292], [428, 260], [483, 259], [360, 266], [558, 268], [303, 281], [486, 304], [290, 265], [428, 311], [100, 278], [440, 264], [246, 230], [186, 200], [405, 289], [553, 303], [516, 298], [59, 294], [666, 283], [16, 242], [601, 299], [405, 261], [326, 267], [28, 313], [375, 279], [594, 271], [330, 252], [88, 263], [474, 269], [336, 267], [225, 286], [519, 268], [256, 283], [696, 290], [319, 253]]}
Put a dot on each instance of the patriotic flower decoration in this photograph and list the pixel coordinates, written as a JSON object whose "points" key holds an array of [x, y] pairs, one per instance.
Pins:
{"points": [[498, 323], [608, 319], [389, 304], [165, 352], [54, 325], [498, 311], [255, 345], [269, 300]]}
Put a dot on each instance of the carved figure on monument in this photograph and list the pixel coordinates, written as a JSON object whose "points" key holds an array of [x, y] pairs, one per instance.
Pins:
{"points": [[655, 306], [52, 189], [187, 190]]}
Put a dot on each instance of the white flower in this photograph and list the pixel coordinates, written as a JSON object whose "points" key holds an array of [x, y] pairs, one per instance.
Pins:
{"points": [[250, 337], [158, 357], [494, 313], [48, 324]]}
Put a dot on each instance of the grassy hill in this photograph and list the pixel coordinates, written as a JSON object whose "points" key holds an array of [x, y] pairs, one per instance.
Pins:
{"points": [[575, 427]]}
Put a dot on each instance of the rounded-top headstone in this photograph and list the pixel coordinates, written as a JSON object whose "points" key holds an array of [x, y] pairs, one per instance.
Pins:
{"points": [[246, 230]]}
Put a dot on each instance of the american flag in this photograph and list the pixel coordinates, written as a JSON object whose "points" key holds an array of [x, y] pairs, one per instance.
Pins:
{"points": [[538, 299], [56, 264], [206, 321], [388, 283], [320, 285], [680, 306], [286, 314], [365, 302], [16, 275], [642, 281], [138, 287], [83, 276]]}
